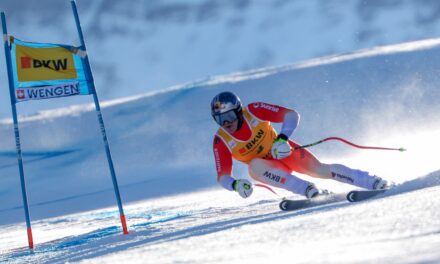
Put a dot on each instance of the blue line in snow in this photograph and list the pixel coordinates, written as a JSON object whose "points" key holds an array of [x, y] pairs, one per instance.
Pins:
{"points": [[60, 245]]}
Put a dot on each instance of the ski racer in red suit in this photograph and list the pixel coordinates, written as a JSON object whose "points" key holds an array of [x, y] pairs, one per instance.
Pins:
{"points": [[246, 135]]}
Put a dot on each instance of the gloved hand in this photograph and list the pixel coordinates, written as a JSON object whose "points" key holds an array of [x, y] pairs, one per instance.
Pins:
{"points": [[280, 147], [243, 187]]}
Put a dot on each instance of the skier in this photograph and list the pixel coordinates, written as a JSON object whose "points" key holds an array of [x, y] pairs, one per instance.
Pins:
{"points": [[246, 135]]}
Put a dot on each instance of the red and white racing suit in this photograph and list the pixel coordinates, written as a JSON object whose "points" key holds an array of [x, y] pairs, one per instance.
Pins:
{"points": [[252, 143]]}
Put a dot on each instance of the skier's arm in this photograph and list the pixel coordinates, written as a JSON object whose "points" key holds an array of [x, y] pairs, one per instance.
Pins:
{"points": [[276, 114], [223, 164], [290, 122]]}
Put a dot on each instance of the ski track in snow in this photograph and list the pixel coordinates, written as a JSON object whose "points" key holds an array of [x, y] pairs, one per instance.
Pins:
{"points": [[154, 223]]}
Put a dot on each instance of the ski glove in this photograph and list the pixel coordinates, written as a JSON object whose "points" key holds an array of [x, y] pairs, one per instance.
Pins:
{"points": [[243, 187], [280, 147]]}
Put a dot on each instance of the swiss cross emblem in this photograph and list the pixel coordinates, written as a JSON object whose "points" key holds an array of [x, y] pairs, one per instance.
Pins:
{"points": [[20, 94]]}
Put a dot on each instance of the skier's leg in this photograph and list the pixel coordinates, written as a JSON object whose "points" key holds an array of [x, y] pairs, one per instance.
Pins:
{"points": [[274, 173], [303, 161], [345, 174]]}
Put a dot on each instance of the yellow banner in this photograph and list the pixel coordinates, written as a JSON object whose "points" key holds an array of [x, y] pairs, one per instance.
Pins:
{"points": [[37, 64]]}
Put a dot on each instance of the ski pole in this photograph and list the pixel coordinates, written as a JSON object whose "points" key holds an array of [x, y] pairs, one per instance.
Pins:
{"points": [[267, 187], [346, 142]]}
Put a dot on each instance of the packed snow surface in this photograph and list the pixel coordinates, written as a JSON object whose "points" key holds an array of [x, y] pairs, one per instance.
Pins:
{"points": [[161, 146]]}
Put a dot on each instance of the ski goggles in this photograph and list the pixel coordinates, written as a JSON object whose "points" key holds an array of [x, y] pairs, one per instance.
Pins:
{"points": [[229, 116]]}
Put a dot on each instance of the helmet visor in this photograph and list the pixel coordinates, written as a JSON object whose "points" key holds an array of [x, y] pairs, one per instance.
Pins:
{"points": [[229, 116]]}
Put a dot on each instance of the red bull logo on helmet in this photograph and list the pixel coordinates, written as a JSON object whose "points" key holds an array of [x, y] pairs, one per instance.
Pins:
{"points": [[220, 107]]}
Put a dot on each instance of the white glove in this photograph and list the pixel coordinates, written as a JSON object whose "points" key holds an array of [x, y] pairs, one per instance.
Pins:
{"points": [[243, 187], [280, 149]]}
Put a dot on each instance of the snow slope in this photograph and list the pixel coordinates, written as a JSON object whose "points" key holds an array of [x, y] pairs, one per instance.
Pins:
{"points": [[211, 227], [161, 145]]}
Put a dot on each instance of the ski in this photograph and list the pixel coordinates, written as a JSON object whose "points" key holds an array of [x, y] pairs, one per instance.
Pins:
{"points": [[292, 205], [360, 195]]}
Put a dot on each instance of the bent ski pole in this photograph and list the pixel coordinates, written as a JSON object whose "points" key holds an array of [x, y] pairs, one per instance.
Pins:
{"points": [[267, 187], [346, 142]]}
